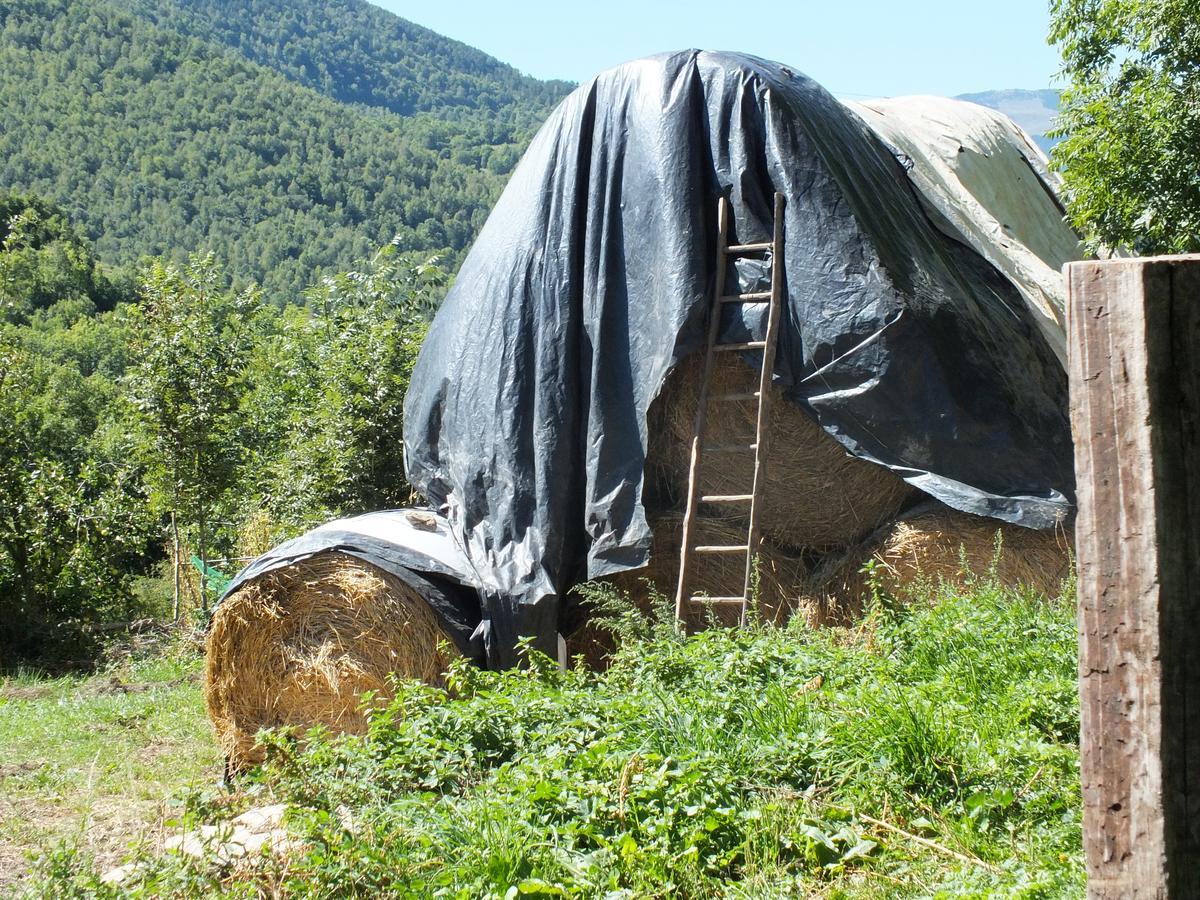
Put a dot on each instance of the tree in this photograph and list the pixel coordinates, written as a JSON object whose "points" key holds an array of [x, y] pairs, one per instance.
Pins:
{"points": [[73, 524], [324, 416], [44, 260], [1131, 117], [72, 521], [191, 338]]}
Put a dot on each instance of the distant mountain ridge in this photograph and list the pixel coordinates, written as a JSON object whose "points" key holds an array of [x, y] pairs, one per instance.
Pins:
{"points": [[287, 139], [1032, 110], [356, 52]]}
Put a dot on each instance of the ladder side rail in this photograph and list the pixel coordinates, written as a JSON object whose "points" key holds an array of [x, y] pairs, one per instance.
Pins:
{"points": [[764, 400], [714, 326]]}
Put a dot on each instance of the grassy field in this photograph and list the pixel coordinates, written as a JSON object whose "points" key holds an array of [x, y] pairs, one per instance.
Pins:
{"points": [[93, 763], [930, 753]]}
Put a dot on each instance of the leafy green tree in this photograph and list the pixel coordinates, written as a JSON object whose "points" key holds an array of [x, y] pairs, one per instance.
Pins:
{"points": [[44, 260], [1131, 116], [324, 415], [72, 518], [197, 406], [73, 524], [191, 339]]}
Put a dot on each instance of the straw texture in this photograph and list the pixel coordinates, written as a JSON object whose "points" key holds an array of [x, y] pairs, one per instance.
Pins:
{"points": [[816, 495], [941, 544], [299, 646]]}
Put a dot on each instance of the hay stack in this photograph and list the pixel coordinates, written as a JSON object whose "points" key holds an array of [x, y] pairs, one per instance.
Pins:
{"points": [[934, 545], [816, 495], [782, 578], [299, 646]]}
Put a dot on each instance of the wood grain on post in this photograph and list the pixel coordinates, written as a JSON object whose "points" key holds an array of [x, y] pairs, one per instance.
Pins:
{"points": [[1134, 348]]}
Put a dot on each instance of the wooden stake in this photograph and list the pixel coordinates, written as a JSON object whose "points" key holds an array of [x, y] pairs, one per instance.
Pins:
{"points": [[1134, 348]]}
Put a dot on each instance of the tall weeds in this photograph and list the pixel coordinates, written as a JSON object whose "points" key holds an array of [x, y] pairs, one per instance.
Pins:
{"points": [[931, 751]]}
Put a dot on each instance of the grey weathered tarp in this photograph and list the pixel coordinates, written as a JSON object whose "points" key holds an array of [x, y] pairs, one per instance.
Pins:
{"points": [[526, 417]]}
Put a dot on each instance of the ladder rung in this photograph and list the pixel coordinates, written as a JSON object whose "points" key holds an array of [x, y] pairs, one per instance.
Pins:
{"points": [[700, 598], [722, 548], [744, 345], [752, 395], [756, 297], [730, 448], [749, 248], [726, 498]]}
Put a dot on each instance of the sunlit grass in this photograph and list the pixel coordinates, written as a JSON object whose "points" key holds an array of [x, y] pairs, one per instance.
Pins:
{"points": [[930, 752], [92, 761]]}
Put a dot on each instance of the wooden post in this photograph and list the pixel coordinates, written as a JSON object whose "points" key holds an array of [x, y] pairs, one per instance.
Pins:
{"points": [[1134, 348]]}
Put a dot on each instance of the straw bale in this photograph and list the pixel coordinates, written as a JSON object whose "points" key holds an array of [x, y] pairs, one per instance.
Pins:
{"points": [[782, 578], [933, 546], [816, 495], [299, 645]]}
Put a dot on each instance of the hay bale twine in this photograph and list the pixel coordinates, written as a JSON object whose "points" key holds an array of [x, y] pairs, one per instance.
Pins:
{"points": [[925, 548], [299, 646], [782, 579], [816, 494]]}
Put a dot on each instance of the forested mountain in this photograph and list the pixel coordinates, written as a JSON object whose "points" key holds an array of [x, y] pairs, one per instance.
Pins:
{"points": [[158, 140], [356, 52]]}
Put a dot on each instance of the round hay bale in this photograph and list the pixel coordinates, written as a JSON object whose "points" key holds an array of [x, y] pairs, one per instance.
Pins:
{"points": [[816, 494], [782, 579], [299, 646], [782, 575], [932, 546]]}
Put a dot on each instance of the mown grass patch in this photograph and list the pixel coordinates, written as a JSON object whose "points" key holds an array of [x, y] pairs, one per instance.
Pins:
{"points": [[931, 752], [90, 762]]}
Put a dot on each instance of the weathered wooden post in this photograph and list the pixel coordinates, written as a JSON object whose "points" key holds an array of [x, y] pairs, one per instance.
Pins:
{"points": [[1134, 345]]}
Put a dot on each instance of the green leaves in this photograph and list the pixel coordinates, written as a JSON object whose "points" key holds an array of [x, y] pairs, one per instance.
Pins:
{"points": [[1131, 121], [191, 339], [323, 415], [172, 127], [44, 261], [71, 518], [719, 765], [694, 779]]}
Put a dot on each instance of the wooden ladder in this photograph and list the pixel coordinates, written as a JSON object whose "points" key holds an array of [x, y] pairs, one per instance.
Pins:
{"points": [[683, 596]]}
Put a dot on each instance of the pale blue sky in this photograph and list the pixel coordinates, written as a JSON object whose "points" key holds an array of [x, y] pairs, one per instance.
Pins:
{"points": [[853, 47]]}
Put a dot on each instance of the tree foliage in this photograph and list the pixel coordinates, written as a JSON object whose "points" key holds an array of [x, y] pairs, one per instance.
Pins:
{"points": [[209, 145], [355, 52], [191, 340], [73, 524], [44, 260], [181, 415], [1131, 117], [324, 411], [73, 529]]}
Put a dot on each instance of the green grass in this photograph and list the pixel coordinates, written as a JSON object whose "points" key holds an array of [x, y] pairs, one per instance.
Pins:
{"points": [[91, 762], [930, 753]]}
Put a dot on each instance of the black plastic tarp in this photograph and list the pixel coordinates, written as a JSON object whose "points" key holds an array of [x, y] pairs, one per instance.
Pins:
{"points": [[526, 415]]}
